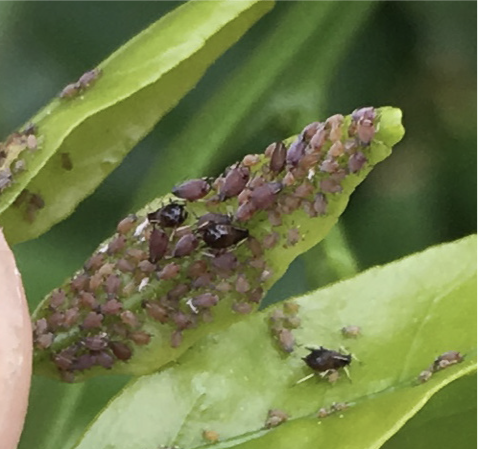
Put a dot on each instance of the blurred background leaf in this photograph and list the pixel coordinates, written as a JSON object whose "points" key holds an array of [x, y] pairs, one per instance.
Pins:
{"points": [[419, 56]]}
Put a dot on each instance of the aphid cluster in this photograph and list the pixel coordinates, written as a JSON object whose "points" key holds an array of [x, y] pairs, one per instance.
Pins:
{"points": [[275, 417], [334, 408], [175, 263], [12, 155], [282, 321], [441, 362], [83, 83]]}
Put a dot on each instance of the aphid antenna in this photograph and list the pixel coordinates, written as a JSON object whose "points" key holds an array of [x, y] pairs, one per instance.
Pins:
{"points": [[344, 350]]}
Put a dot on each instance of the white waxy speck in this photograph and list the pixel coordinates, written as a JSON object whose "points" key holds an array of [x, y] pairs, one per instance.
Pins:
{"points": [[144, 282], [104, 248], [189, 302], [140, 228], [311, 174]]}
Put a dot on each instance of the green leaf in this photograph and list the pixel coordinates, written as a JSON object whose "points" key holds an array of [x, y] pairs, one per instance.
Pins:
{"points": [[410, 312], [447, 420], [82, 139], [138, 290]]}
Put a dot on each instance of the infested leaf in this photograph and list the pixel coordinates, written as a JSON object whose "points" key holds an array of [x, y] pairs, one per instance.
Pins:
{"points": [[135, 306], [79, 139], [410, 312]]}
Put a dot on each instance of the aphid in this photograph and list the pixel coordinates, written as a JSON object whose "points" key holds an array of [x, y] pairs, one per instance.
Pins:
{"points": [[120, 350], [57, 298], [176, 339], [111, 307], [309, 131], [326, 362], [96, 342], [178, 291], [19, 166], [211, 436], [116, 245], [44, 341], [158, 245], [278, 157], [31, 128], [330, 185], [192, 190], [169, 216], [275, 417], [126, 224], [226, 262], [363, 124], [185, 246], [356, 162], [214, 218], [71, 316], [156, 311], [219, 236], [323, 359], [446, 359], [425, 375], [104, 359], [83, 362], [169, 271], [145, 266], [245, 212], [296, 151], [112, 284], [351, 331], [92, 320], [129, 318], [286, 340], [140, 338], [5, 178], [88, 78], [205, 300], [242, 307], [235, 181], [124, 266], [32, 142], [250, 160], [66, 162], [263, 196], [320, 204], [70, 90], [242, 285]]}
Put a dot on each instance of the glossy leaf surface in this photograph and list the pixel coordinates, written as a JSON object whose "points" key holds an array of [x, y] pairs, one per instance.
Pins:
{"points": [[410, 312]]}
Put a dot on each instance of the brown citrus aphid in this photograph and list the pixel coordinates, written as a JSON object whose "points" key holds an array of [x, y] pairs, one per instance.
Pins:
{"points": [[288, 180], [197, 268], [323, 359], [44, 341], [178, 291], [242, 307], [296, 151], [320, 204], [156, 311], [250, 160], [242, 284], [293, 236], [124, 266], [219, 236], [94, 262], [70, 90], [32, 142], [56, 320], [245, 212], [88, 300], [185, 246], [176, 339], [275, 417], [192, 190], [71, 316], [225, 262], [158, 245], [223, 286], [213, 218], [304, 190], [270, 240], [64, 359], [255, 295], [278, 157], [66, 162], [263, 196], [169, 271], [89, 77], [120, 350], [309, 131], [116, 245], [111, 307], [330, 185], [140, 337], [205, 300], [57, 298], [351, 331], [104, 359], [425, 376], [275, 218], [92, 320], [235, 181], [126, 224], [96, 342], [329, 166], [80, 282], [129, 318], [286, 340], [202, 281], [145, 266], [356, 162], [211, 436], [112, 284], [446, 359], [169, 216]]}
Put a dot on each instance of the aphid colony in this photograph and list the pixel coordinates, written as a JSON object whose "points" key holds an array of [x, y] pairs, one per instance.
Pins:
{"points": [[12, 154], [85, 81], [441, 362], [173, 264]]}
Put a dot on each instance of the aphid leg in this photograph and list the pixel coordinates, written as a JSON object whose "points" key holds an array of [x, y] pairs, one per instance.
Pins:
{"points": [[347, 373], [309, 376]]}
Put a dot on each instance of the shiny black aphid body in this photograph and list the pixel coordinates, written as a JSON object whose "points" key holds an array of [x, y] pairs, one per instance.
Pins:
{"points": [[323, 359], [169, 216], [219, 236]]}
